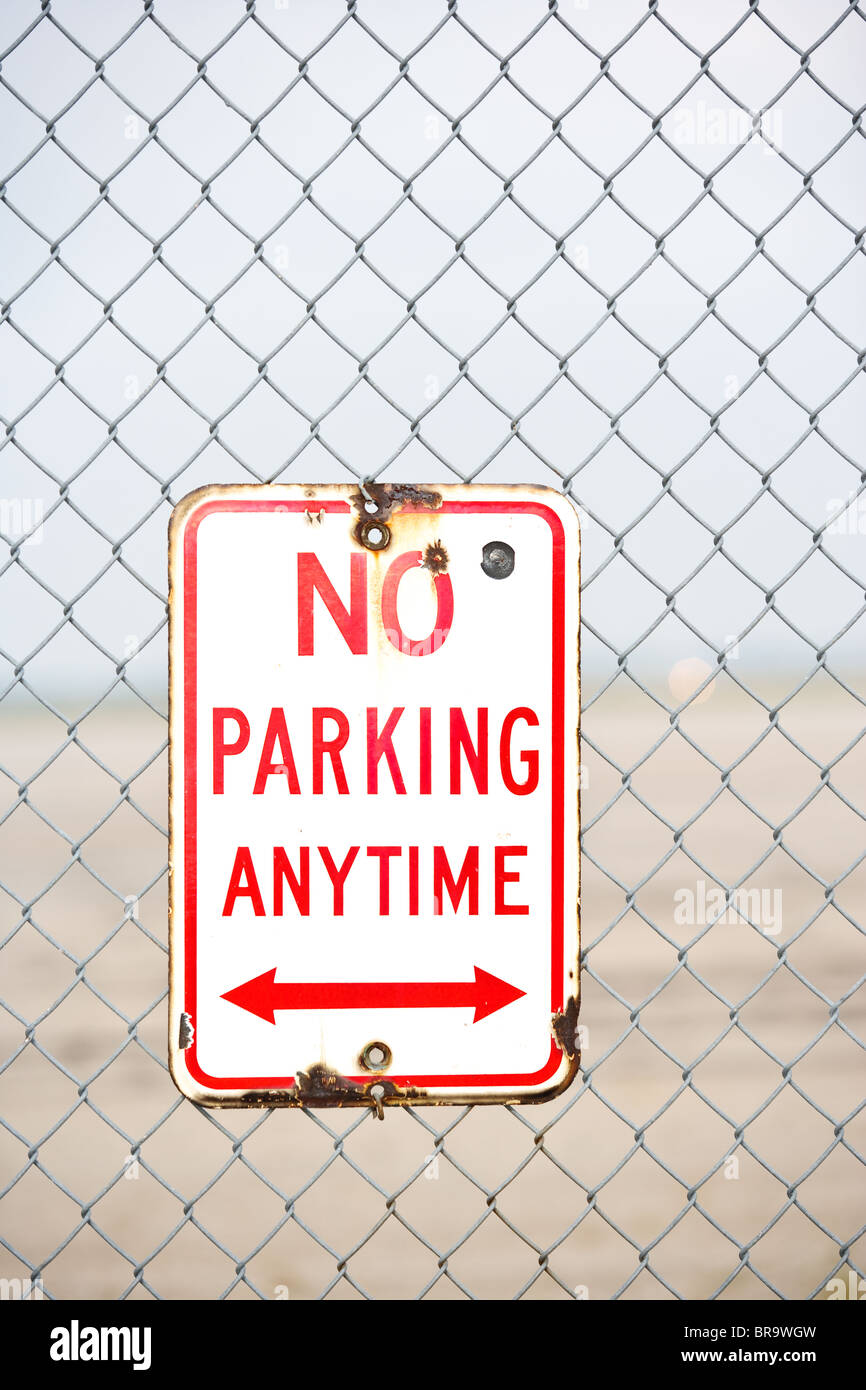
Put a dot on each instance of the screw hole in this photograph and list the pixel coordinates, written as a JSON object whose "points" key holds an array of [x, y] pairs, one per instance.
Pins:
{"points": [[376, 1056], [375, 535]]}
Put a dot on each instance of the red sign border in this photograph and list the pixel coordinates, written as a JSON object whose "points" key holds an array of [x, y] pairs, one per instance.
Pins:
{"points": [[190, 594]]}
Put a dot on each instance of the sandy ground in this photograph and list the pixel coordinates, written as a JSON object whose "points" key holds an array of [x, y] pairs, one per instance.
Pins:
{"points": [[704, 1144]]}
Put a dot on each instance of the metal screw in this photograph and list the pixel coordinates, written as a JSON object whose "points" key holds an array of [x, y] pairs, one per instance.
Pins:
{"points": [[497, 559]]}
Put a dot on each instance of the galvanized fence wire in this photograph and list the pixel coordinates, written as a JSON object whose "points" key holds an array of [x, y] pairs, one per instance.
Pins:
{"points": [[564, 22]]}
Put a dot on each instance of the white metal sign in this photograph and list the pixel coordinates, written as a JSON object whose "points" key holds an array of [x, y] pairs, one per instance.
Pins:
{"points": [[374, 863]]}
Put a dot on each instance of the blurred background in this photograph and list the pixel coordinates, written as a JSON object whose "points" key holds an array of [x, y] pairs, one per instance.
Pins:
{"points": [[612, 247]]}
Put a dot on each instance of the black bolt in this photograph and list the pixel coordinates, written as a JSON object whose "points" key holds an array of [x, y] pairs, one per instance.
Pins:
{"points": [[497, 559]]}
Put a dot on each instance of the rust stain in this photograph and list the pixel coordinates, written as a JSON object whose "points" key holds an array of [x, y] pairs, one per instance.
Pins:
{"points": [[435, 558], [414, 495], [321, 1083], [387, 496], [564, 1029], [323, 1086], [264, 1099]]}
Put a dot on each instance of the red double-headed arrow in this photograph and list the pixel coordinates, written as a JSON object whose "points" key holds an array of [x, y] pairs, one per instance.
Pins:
{"points": [[263, 996]]}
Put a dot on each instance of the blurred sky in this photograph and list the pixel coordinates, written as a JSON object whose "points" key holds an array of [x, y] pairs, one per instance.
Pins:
{"points": [[303, 242]]}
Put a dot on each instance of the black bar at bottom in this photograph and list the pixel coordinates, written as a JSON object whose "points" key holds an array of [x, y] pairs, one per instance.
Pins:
{"points": [[72, 1337]]}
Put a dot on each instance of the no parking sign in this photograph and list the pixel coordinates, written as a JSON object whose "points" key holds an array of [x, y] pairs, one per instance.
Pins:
{"points": [[374, 821]]}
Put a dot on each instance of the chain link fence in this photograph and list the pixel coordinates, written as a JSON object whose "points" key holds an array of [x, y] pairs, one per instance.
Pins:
{"points": [[614, 248]]}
